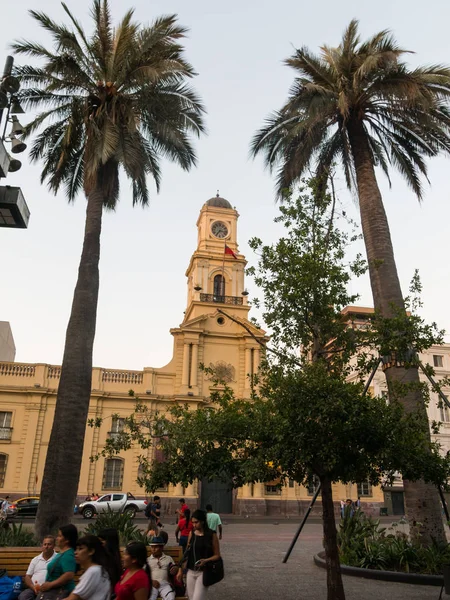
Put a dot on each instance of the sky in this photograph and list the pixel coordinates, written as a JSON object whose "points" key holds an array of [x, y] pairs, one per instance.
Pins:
{"points": [[237, 49]]}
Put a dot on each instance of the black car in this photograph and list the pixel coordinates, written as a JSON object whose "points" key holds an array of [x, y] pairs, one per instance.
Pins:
{"points": [[27, 507]]}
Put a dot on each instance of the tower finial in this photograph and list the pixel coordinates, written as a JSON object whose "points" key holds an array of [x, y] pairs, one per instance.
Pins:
{"points": [[217, 195]]}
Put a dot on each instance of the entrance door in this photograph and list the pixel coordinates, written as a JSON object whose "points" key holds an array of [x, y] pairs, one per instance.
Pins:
{"points": [[398, 506], [219, 494]]}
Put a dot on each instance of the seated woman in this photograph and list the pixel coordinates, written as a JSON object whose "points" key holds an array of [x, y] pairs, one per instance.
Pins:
{"points": [[59, 582], [95, 583], [110, 540], [136, 582]]}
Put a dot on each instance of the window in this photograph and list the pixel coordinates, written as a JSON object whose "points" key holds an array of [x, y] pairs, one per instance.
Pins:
{"points": [[117, 426], [291, 483], [313, 485], [273, 490], [5, 425], [113, 474], [3, 463], [106, 498], [364, 489], [219, 288], [438, 360], [445, 415]]}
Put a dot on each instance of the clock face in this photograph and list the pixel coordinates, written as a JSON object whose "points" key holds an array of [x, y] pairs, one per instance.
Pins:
{"points": [[219, 229]]}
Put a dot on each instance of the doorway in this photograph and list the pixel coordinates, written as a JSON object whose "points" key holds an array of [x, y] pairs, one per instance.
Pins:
{"points": [[219, 494], [398, 505]]}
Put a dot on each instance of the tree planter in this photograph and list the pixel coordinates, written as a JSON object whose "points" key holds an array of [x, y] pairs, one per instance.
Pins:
{"points": [[394, 576]]}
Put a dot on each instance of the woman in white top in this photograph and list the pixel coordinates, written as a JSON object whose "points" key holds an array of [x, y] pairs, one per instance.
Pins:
{"points": [[95, 583]]}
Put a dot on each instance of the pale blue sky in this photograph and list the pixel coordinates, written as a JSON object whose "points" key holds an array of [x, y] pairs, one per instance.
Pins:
{"points": [[237, 47]]}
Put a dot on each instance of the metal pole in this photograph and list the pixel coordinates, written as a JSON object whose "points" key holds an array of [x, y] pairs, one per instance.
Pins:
{"points": [[7, 70], [302, 524]]}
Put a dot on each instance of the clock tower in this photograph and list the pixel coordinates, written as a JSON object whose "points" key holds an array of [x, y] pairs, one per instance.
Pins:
{"points": [[216, 270], [216, 331]]}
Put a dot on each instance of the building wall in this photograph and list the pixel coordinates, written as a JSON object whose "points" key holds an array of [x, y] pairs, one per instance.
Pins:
{"points": [[7, 346]]}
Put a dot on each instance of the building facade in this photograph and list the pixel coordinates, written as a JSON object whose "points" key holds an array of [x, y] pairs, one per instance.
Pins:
{"points": [[215, 289]]}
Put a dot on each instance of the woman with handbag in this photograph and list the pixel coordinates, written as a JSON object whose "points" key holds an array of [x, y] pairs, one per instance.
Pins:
{"points": [[95, 583], [59, 582], [202, 554]]}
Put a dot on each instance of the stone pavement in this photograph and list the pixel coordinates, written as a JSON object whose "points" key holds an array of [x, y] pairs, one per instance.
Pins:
{"points": [[254, 570]]}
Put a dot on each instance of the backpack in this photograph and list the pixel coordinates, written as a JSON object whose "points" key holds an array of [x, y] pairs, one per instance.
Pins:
{"points": [[10, 587], [147, 512]]}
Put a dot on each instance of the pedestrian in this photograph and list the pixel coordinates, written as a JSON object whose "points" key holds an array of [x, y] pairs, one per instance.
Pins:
{"points": [[153, 513], [162, 568], [5, 505], [110, 540], [182, 507], [136, 581], [37, 570], [203, 547], [95, 582], [183, 529], [214, 520]]}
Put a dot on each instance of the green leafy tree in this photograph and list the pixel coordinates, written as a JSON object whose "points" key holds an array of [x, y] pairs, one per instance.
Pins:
{"points": [[305, 419], [115, 100], [360, 106]]}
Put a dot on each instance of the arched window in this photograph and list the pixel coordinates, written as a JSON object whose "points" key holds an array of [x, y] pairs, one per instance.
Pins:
{"points": [[219, 288], [113, 474], [3, 464]]}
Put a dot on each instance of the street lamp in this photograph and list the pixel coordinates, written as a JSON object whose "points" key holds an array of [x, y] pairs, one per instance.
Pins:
{"points": [[13, 208]]}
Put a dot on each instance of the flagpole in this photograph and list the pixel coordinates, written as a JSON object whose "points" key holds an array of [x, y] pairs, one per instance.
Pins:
{"points": [[223, 271]]}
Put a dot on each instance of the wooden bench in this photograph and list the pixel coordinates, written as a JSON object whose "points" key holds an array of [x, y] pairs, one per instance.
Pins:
{"points": [[16, 560]]}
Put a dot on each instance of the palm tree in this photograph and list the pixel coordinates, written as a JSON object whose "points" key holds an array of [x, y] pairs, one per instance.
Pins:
{"points": [[360, 106], [117, 99]]}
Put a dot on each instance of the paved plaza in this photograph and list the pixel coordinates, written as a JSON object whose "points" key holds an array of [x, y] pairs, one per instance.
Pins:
{"points": [[254, 570]]}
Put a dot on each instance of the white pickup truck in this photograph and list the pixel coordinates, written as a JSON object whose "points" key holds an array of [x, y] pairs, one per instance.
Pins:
{"points": [[115, 502]]}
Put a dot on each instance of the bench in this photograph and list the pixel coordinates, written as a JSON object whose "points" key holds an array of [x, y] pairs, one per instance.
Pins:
{"points": [[16, 560]]}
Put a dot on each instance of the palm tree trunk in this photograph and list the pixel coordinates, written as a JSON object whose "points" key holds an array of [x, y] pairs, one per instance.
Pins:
{"points": [[335, 586], [421, 500], [65, 449]]}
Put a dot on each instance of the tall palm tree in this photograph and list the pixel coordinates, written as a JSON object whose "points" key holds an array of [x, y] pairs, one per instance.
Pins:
{"points": [[115, 99], [360, 106]]}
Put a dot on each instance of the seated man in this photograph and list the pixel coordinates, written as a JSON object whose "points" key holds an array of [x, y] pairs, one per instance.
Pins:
{"points": [[162, 568], [37, 571]]}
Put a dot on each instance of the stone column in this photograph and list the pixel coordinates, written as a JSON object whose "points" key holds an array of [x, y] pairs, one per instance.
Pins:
{"points": [[257, 359], [248, 366], [185, 374], [194, 365], [246, 491]]}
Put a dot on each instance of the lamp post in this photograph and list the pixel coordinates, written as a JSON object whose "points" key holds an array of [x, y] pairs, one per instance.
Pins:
{"points": [[14, 211]]}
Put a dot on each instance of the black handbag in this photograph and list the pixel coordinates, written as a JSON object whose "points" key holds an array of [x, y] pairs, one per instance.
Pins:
{"points": [[213, 572]]}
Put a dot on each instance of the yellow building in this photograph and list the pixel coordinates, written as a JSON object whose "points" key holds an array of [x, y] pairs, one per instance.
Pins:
{"points": [[216, 284]]}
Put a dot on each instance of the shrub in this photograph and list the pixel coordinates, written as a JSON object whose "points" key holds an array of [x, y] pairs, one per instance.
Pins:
{"points": [[17, 535], [123, 522], [363, 543]]}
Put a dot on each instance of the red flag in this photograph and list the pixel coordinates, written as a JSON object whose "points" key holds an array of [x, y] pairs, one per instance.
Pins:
{"points": [[229, 251]]}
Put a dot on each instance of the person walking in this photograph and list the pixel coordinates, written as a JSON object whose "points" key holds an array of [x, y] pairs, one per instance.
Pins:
{"points": [[203, 547], [183, 529], [214, 520], [37, 570]]}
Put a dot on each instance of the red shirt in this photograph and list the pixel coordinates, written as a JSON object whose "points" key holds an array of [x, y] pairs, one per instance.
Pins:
{"points": [[183, 508], [125, 591], [185, 531]]}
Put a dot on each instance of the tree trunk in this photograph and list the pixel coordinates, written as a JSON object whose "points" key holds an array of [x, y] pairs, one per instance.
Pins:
{"points": [[421, 499], [65, 449], [335, 586]]}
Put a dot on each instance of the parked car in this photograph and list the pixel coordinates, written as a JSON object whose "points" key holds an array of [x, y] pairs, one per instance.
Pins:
{"points": [[12, 510], [115, 502], [26, 507]]}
